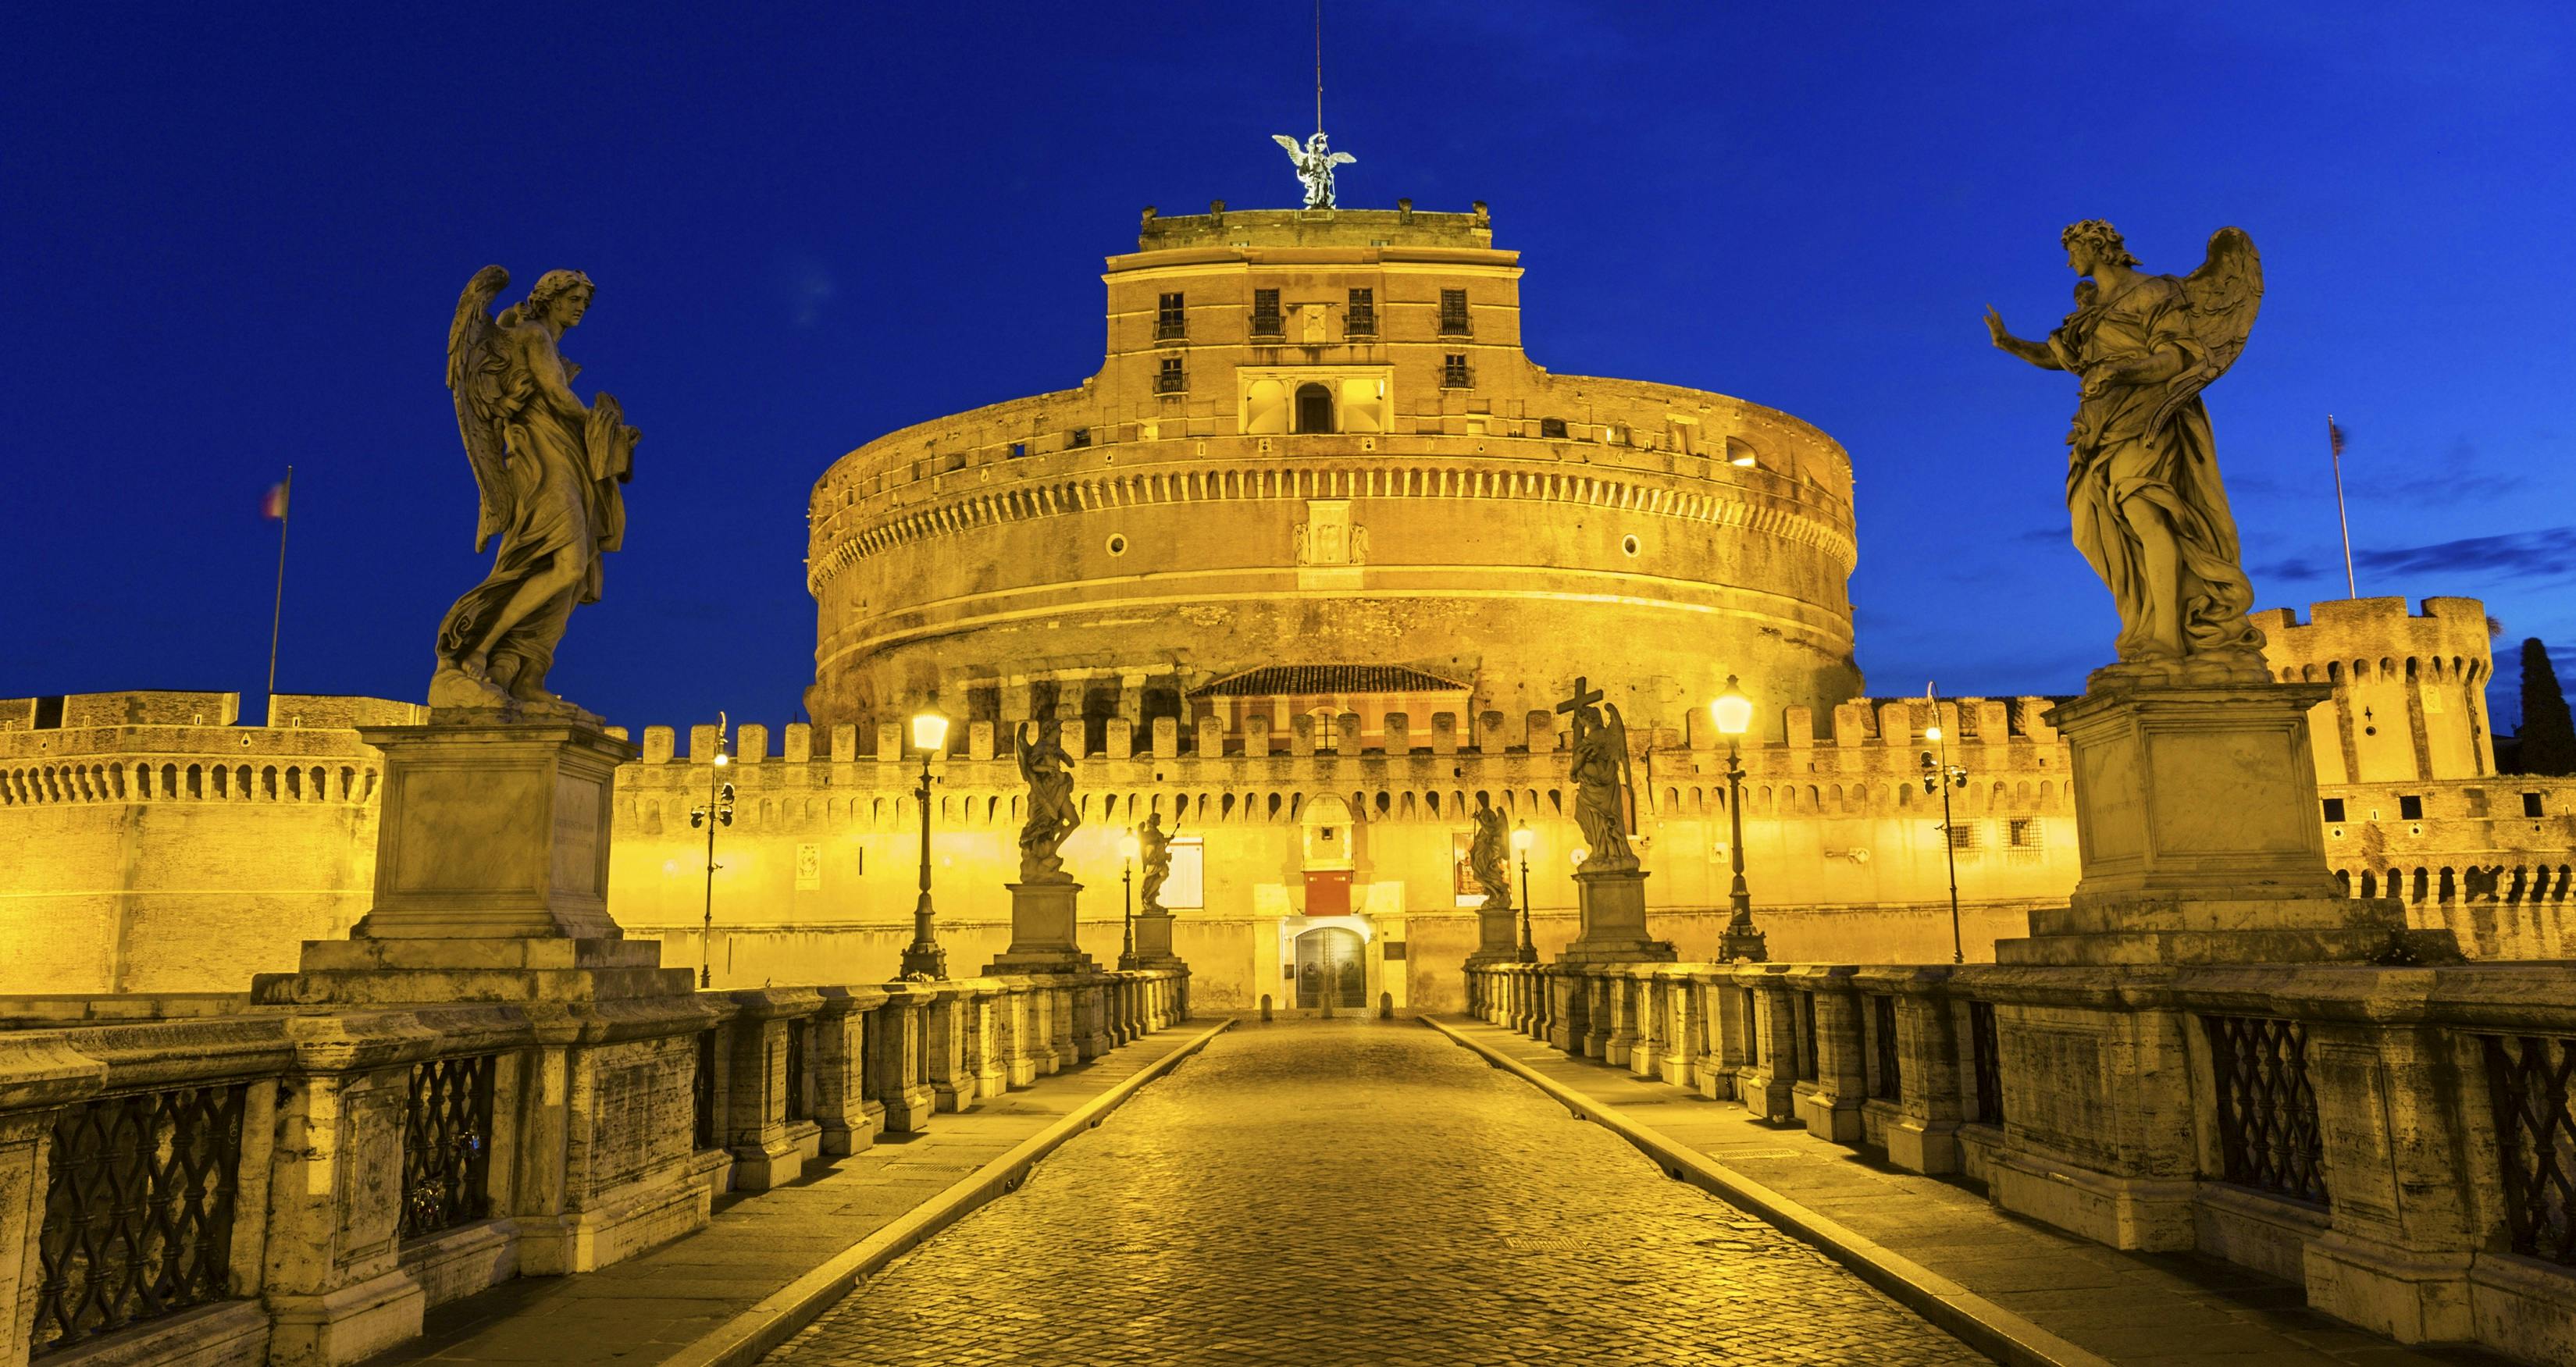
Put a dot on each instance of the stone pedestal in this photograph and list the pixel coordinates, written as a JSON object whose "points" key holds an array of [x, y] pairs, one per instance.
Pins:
{"points": [[1498, 936], [1613, 905], [1153, 931], [1042, 931], [2196, 813]]}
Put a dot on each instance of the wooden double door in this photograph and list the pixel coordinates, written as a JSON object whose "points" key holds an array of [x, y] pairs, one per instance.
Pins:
{"points": [[1332, 970]]}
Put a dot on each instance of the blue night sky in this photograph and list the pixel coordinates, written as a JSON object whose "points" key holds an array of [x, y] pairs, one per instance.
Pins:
{"points": [[234, 236]]}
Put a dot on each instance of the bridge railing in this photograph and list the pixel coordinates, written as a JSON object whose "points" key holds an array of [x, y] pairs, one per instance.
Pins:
{"points": [[2399, 1140], [286, 1184]]}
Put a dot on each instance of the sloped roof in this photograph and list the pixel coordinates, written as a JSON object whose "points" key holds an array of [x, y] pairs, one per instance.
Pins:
{"points": [[1298, 681]]}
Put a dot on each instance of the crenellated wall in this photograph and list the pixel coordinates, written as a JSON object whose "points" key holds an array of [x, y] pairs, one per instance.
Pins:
{"points": [[2410, 696]]}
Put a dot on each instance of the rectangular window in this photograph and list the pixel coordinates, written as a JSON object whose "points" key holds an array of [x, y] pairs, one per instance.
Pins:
{"points": [[2531, 805], [2410, 807], [1077, 438], [1361, 321], [2021, 833], [1019, 449], [1552, 428], [1453, 370], [1171, 379], [1171, 320], [1453, 313], [2334, 809], [1266, 321], [1963, 835]]}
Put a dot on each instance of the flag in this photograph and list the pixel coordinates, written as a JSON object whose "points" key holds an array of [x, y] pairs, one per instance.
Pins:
{"points": [[2334, 435], [273, 507]]}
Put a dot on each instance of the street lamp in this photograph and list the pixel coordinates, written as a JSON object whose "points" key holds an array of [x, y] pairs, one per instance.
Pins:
{"points": [[1128, 848], [1522, 838], [717, 811], [924, 956], [1733, 713], [1941, 774]]}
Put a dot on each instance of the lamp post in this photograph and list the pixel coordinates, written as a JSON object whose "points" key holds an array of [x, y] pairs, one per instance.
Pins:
{"points": [[924, 956], [1521, 840], [717, 811], [1733, 713], [1128, 848], [1944, 775]]}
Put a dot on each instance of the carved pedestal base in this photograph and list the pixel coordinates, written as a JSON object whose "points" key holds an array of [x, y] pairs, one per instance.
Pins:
{"points": [[1498, 936], [1613, 905], [1042, 931], [1153, 930], [2196, 809]]}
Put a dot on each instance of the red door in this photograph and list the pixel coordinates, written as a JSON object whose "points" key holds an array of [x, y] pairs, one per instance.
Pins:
{"points": [[1328, 892]]}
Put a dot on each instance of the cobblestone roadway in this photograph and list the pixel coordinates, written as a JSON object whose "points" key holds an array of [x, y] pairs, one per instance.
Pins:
{"points": [[1367, 1192]]}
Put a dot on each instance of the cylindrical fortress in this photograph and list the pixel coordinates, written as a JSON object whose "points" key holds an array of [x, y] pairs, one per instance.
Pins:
{"points": [[1316, 440]]}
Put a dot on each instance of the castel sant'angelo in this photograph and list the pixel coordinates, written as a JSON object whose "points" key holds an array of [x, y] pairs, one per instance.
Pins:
{"points": [[1304, 571]]}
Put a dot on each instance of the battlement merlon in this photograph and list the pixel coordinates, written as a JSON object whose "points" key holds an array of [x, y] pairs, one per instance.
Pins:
{"points": [[1315, 228], [2450, 632]]}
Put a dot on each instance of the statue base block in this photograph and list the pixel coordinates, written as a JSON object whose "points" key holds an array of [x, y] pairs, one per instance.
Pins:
{"points": [[1153, 933], [1613, 906], [1498, 939], [368, 972], [1042, 931]]}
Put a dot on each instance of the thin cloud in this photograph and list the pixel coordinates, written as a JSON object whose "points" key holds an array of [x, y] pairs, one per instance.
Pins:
{"points": [[2512, 555]]}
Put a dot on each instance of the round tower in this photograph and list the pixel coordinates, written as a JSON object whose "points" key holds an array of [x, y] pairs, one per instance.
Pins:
{"points": [[1316, 441]]}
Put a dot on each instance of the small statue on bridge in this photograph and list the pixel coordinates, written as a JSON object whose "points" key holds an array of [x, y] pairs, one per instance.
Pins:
{"points": [[1605, 794], [548, 467], [1489, 856], [1048, 771], [1154, 851]]}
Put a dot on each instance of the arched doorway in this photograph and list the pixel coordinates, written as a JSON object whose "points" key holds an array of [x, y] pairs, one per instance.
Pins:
{"points": [[1330, 970], [1314, 408]]}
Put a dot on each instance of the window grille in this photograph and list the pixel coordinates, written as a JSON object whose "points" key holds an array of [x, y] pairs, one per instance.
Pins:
{"points": [[1266, 320], [798, 1105], [447, 1144], [138, 1220], [1752, 1028], [2528, 1083], [1889, 1085], [702, 1092], [1453, 371], [1171, 379], [1963, 835], [1171, 320], [1553, 428], [2267, 1114], [2022, 833], [1985, 1059], [1806, 1037], [1361, 319], [1453, 313]]}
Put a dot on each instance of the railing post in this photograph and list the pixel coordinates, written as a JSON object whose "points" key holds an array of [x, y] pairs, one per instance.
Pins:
{"points": [[1830, 1105], [1636, 1036], [1769, 1084], [902, 1062], [838, 1057], [1681, 1025], [756, 1125], [1923, 1133], [1568, 1008], [951, 1030], [334, 1284]]}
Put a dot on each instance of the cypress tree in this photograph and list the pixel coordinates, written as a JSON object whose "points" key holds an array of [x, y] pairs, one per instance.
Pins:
{"points": [[2548, 735]]}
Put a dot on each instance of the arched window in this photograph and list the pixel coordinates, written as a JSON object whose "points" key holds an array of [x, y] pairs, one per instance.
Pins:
{"points": [[1314, 408]]}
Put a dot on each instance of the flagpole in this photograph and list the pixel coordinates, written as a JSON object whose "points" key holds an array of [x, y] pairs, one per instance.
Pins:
{"points": [[277, 612], [2334, 443]]}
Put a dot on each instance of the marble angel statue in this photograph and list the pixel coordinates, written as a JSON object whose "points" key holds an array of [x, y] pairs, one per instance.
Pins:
{"points": [[1048, 771], [548, 467], [1604, 793], [1315, 163], [1489, 857], [2142, 474]]}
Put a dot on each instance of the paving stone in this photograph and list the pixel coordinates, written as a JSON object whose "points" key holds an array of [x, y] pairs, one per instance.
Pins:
{"points": [[1359, 1192]]}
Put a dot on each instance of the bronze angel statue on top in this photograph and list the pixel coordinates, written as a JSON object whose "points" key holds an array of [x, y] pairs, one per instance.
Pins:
{"points": [[1315, 162], [2142, 477], [548, 467]]}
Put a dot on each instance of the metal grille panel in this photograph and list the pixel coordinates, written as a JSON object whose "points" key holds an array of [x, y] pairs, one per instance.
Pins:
{"points": [[1889, 1085], [1806, 1036], [447, 1144], [138, 1210], [1985, 1051], [2528, 1080], [702, 1092], [799, 1106], [2268, 1137]]}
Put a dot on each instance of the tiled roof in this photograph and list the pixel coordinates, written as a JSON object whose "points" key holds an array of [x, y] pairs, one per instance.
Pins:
{"points": [[1297, 681]]}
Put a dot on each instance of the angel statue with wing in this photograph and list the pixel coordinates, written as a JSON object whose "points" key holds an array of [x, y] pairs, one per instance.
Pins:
{"points": [[548, 466], [1048, 771], [1315, 163], [2142, 478]]}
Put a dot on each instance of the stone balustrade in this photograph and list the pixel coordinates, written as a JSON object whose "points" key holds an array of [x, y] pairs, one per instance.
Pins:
{"points": [[295, 1185], [2398, 1140]]}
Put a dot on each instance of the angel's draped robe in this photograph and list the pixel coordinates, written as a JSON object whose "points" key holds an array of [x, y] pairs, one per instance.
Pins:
{"points": [[2120, 457], [564, 502]]}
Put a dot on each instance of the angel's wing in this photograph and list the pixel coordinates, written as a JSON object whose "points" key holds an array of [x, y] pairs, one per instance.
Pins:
{"points": [[1022, 747], [478, 375], [1288, 142], [1341, 159], [2220, 301]]}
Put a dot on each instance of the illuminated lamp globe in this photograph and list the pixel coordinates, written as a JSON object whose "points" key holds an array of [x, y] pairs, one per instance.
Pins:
{"points": [[929, 731], [1732, 711], [1522, 838], [1931, 733], [1128, 849]]}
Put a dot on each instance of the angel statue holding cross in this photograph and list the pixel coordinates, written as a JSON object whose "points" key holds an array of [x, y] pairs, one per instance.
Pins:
{"points": [[1315, 163], [2142, 475], [1604, 792], [548, 466]]}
